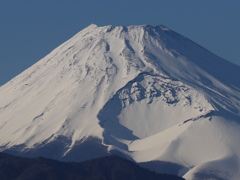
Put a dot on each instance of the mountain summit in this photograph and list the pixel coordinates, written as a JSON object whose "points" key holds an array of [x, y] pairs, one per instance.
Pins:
{"points": [[145, 93]]}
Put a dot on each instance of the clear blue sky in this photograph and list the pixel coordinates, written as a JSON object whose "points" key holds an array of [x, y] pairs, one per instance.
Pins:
{"points": [[30, 29]]}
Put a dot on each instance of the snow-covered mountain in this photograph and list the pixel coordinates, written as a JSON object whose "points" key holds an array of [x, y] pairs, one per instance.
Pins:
{"points": [[146, 93]]}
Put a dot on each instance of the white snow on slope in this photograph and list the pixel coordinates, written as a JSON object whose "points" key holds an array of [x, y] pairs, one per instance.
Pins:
{"points": [[146, 92]]}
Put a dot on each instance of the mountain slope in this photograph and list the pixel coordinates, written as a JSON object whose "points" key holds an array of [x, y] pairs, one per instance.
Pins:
{"points": [[144, 92], [110, 167]]}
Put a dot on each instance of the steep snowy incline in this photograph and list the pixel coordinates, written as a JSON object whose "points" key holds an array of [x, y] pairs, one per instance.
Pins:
{"points": [[186, 61], [62, 94], [144, 92]]}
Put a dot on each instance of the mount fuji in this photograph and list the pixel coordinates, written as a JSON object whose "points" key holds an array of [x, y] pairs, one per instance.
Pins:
{"points": [[145, 93]]}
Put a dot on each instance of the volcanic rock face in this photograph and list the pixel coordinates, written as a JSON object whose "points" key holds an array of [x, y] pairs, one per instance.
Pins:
{"points": [[144, 92]]}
